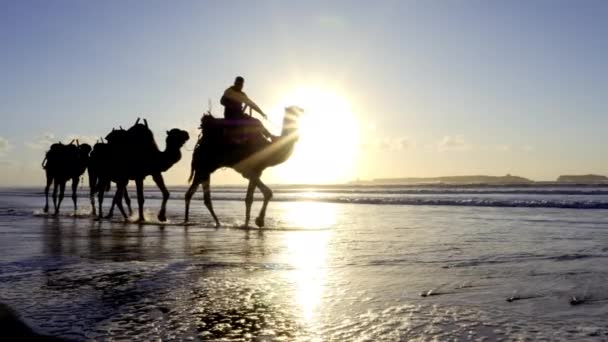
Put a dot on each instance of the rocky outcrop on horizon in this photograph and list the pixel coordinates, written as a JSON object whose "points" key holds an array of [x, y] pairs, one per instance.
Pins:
{"points": [[475, 179], [582, 179]]}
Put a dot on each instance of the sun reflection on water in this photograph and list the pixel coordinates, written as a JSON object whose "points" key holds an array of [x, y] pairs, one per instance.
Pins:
{"points": [[310, 215], [307, 254]]}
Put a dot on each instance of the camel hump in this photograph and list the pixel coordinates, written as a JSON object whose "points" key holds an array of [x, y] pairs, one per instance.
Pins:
{"points": [[141, 139], [71, 148], [208, 122], [58, 150], [98, 149], [60, 155], [85, 149], [56, 147], [101, 152], [116, 136]]}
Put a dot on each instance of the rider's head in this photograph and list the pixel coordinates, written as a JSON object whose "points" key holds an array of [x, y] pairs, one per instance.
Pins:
{"points": [[239, 82]]}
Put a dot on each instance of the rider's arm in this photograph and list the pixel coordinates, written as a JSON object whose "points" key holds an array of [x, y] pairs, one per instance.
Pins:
{"points": [[242, 97]]}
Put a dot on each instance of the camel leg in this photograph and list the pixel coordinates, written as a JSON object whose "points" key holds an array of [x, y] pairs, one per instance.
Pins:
{"points": [[117, 200], [92, 181], [139, 184], [160, 182], [101, 189], [128, 201], [111, 211], [259, 221], [49, 180], [207, 200], [188, 197], [75, 182], [55, 187], [61, 193], [249, 201]]}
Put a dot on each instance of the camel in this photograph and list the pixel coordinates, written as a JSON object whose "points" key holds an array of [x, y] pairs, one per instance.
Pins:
{"points": [[140, 158], [101, 162], [218, 148], [62, 163]]}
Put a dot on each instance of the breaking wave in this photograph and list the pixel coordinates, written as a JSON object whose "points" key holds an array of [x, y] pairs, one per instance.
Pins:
{"points": [[564, 197], [469, 202]]}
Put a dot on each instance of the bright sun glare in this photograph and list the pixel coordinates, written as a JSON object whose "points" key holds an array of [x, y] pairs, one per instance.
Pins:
{"points": [[329, 138]]}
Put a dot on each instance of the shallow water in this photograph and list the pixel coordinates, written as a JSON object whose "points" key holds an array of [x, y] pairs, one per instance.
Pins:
{"points": [[322, 271]]}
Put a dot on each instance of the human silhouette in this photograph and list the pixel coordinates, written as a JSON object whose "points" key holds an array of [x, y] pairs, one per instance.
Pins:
{"points": [[236, 102]]}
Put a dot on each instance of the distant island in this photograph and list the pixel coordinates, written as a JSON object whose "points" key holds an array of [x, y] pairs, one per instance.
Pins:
{"points": [[582, 179], [477, 179], [484, 179]]}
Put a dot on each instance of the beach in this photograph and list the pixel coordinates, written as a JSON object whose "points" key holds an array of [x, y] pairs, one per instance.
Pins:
{"points": [[335, 263]]}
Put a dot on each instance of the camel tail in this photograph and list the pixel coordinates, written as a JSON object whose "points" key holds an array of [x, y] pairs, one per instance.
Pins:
{"points": [[195, 157], [191, 172]]}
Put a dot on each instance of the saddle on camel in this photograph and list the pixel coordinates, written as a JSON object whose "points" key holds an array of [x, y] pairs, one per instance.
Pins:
{"points": [[244, 131]]}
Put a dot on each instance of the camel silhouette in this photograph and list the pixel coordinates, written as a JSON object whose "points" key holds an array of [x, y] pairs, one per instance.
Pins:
{"points": [[139, 157], [222, 145], [62, 163], [102, 168]]}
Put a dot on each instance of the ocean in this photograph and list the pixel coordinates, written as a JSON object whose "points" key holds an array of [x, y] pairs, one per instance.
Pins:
{"points": [[366, 263]]}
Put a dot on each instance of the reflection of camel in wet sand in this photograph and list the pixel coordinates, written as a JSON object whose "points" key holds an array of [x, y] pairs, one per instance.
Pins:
{"points": [[217, 148], [62, 163], [139, 158]]}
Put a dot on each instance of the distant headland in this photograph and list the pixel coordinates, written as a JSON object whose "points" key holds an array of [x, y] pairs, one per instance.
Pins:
{"points": [[484, 179], [583, 179]]}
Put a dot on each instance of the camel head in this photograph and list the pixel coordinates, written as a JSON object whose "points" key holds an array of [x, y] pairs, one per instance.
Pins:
{"points": [[292, 114], [177, 137], [294, 110], [290, 121]]}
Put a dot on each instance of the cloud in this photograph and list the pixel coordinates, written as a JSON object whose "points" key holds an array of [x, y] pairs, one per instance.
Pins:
{"points": [[504, 148], [82, 139], [43, 142], [5, 146], [453, 143], [398, 143], [387, 144], [331, 21], [528, 148]]}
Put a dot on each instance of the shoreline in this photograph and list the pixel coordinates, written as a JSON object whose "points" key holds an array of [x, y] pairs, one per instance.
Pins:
{"points": [[364, 185]]}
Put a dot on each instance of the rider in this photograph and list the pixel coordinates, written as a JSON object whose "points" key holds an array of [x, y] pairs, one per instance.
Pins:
{"points": [[233, 100]]}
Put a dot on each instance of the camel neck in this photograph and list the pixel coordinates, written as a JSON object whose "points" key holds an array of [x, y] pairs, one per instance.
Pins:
{"points": [[290, 126], [169, 157], [287, 141]]}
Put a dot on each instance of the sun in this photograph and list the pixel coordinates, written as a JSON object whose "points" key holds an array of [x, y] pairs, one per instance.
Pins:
{"points": [[329, 138]]}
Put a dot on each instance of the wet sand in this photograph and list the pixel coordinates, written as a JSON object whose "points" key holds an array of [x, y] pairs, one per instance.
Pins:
{"points": [[324, 271]]}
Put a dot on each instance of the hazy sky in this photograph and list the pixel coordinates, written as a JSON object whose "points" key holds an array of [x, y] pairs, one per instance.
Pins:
{"points": [[436, 87]]}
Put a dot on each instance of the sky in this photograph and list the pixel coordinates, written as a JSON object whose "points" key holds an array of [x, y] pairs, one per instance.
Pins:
{"points": [[426, 88]]}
